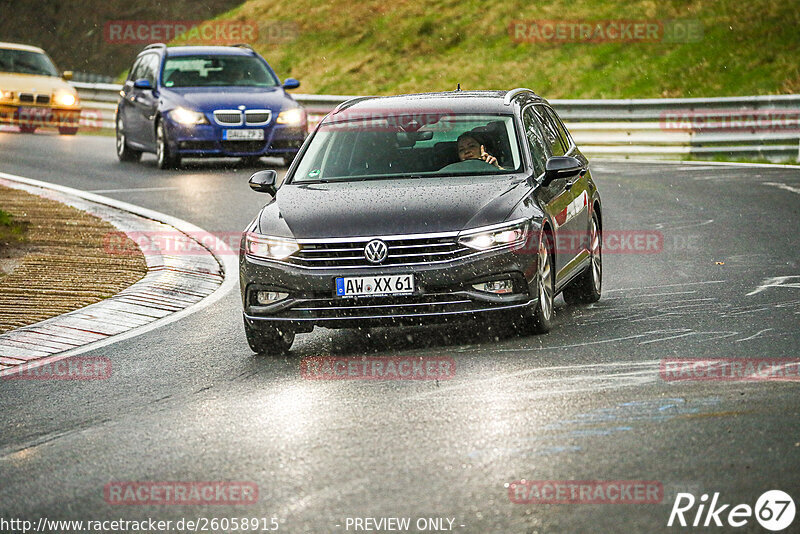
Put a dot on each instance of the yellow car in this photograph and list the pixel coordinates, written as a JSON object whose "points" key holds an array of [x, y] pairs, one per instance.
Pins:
{"points": [[33, 93]]}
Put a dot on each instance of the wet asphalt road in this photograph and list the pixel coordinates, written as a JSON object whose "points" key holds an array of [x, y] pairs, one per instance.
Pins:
{"points": [[190, 402]]}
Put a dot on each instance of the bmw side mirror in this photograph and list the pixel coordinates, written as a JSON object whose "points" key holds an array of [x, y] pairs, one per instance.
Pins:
{"points": [[561, 167], [291, 83], [264, 182], [142, 83]]}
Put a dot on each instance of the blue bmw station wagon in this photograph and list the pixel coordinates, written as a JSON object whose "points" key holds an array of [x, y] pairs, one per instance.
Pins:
{"points": [[197, 101]]}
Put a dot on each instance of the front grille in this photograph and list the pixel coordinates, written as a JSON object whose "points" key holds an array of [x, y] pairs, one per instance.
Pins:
{"points": [[243, 146], [26, 97], [403, 251], [42, 99], [228, 117], [257, 117]]}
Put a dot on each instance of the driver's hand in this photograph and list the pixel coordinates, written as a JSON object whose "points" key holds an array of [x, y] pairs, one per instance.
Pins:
{"points": [[488, 158]]}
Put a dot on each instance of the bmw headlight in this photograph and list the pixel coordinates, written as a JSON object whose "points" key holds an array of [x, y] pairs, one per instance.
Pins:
{"points": [[292, 117], [492, 237], [65, 98], [271, 248], [187, 117]]}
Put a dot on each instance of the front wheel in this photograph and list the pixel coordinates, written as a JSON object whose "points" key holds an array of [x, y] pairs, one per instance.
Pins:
{"points": [[540, 319], [587, 287], [27, 129], [268, 340], [166, 159], [67, 130]]}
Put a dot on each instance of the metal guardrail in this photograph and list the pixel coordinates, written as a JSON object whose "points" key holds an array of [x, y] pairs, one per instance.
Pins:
{"points": [[669, 128]]}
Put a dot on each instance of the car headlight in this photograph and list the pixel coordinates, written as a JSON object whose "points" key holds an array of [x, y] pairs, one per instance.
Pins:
{"points": [[512, 235], [292, 117], [273, 248], [187, 117], [6, 95], [65, 98]]}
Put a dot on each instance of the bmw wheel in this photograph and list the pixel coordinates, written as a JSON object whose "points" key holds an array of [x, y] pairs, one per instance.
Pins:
{"points": [[124, 152], [166, 159], [587, 287]]}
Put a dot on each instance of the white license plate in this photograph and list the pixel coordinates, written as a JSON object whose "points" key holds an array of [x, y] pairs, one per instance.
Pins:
{"points": [[243, 135], [396, 284]]}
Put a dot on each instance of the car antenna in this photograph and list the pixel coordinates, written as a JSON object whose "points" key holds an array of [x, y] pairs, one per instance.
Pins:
{"points": [[458, 87]]}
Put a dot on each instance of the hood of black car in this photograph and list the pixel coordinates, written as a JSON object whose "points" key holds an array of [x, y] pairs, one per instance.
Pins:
{"points": [[390, 207]]}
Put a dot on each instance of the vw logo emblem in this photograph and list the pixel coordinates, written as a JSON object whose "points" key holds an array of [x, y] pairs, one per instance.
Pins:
{"points": [[376, 251]]}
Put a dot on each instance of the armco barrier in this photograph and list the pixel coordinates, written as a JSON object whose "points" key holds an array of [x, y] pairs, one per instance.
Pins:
{"points": [[668, 128]]}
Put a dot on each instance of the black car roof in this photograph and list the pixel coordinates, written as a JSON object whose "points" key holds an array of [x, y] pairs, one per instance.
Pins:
{"points": [[452, 102]]}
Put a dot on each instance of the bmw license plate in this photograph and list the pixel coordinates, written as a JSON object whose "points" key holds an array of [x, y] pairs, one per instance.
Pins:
{"points": [[243, 135], [397, 284]]}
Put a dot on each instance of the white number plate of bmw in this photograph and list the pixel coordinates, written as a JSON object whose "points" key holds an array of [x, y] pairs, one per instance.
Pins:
{"points": [[397, 284], [243, 135]]}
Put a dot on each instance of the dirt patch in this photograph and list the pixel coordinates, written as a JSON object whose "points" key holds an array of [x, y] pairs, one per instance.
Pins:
{"points": [[60, 263]]}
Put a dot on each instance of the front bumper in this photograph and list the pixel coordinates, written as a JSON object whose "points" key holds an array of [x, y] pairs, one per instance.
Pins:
{"points": [[39, 116], [205, 140], [443, 293]]}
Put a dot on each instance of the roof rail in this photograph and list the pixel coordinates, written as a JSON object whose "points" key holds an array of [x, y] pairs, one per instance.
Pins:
{"points": [[243, 45], [347, 103], [155, 45], [514, 92]]}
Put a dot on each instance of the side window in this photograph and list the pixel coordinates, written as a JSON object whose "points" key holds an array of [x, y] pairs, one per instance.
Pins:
{"points": [[150, 65], [552, 138], [136, 70], [566, 139], [533, 133]]}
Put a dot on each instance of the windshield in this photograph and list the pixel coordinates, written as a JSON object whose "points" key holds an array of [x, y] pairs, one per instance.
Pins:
{"points": [[26, 62], [217, 71], [375, 145]]}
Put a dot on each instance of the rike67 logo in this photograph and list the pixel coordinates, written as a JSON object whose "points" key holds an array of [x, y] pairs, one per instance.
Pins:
{"points": [[774, 510]]}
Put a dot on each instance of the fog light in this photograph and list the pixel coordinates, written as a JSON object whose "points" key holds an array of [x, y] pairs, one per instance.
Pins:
{"points": [[496, 286], [268, 297]]}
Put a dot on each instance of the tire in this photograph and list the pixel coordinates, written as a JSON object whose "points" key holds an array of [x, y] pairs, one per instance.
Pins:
{"points": [[586, 288], [27, 129], [540, 319], [268, 340], [67, 130], [164, 156], [124, 152]]}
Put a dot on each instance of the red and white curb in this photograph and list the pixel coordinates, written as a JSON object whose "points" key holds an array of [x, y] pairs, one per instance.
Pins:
{"points": [[174, 286]]}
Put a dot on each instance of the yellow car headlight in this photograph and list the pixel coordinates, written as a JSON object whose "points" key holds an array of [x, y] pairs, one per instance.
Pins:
{"points": [[65, 99], [292, 117]]}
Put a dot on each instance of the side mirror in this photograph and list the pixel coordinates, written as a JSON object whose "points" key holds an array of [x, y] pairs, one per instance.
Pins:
{"points": [[561, 167], [264, 182], [142, 83], [291, 83], [67, 75]]}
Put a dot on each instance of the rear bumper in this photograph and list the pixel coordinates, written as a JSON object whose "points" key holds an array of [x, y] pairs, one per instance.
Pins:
{"points": [[39, 116]]}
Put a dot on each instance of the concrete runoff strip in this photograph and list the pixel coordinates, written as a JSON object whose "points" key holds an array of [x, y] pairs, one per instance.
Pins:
{"points": [[174, 286]]}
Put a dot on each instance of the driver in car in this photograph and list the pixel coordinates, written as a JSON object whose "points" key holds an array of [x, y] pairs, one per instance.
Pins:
{"points": [[470, 148]]}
